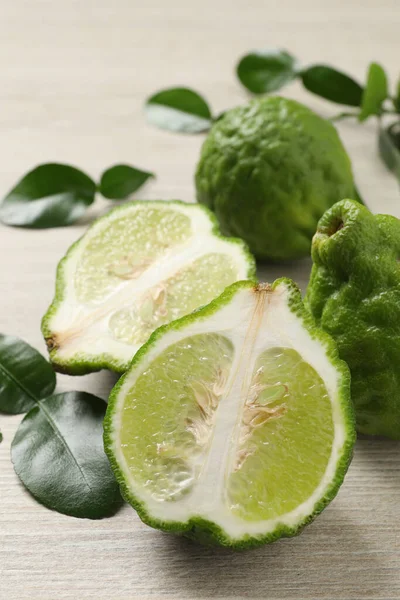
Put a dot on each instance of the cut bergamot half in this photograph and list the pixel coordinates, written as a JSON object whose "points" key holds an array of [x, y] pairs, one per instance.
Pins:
{"points": [[142, 265], [233, 425]]}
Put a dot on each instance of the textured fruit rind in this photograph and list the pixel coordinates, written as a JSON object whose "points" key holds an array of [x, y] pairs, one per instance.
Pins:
{"points": [[81, 363], [202, 530], [354, 294], [269, 170]]}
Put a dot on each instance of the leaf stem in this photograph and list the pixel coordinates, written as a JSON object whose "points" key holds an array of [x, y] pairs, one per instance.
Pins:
{"points": [[344, 115], [348, 115]]}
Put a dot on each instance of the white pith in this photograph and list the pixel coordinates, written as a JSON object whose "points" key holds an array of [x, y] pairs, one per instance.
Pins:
{"points": [[95, 338], [252, 329]]}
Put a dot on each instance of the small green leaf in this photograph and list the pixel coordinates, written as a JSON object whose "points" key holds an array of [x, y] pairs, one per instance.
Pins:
{"points": [[332, 85], [179, 109], [25, 376], [51, 195], [375, 92], [58, 454], [389, 148], [265, 71], [120, 181], [397, 97], [1, 437]]}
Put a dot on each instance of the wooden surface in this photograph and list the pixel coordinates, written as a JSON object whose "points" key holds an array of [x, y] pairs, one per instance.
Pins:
{"points": [[74, 75]]}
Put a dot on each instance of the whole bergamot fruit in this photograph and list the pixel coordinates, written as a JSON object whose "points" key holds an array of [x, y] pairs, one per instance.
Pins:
{"points": [[269, 170], [354, 294]]}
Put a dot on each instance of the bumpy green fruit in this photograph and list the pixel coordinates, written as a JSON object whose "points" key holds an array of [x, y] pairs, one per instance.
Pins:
{"points": [[269, 170], [354, 294]]}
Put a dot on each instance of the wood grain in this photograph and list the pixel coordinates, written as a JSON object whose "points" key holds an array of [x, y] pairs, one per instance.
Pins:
{"points": [[73, 79]]}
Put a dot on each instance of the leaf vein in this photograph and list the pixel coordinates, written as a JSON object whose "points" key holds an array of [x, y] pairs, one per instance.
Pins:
{"points": [[7, 373], [63, 441]]}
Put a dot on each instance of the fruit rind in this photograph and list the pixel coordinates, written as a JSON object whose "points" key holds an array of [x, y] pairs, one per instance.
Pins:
{"points": [[82, 363], [354, 294], [201, 529], [269, 170]]}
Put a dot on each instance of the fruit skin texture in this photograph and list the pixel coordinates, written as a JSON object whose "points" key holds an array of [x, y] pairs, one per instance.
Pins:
{"points": [[354, 294], [269, 170], [199, 529]]}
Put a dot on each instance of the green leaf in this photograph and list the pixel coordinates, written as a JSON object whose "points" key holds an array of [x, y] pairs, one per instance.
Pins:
{"points": [[51, 195], [25, 376], [396, 100], [332, 85], [375, 92], [179, 109], [1, 437], [265, 71], [120, 181], [58, 455], [389, 148]]}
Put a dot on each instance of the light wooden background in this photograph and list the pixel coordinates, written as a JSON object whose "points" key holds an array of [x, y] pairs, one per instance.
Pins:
{"points": [[73, 77]]}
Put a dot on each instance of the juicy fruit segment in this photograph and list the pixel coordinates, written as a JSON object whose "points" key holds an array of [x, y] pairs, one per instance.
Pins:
{"points": [[354, 294], [269, 170], [286, 398], [167, 443], [172, 298], [125, 248], [139, 267], [233, 422]]}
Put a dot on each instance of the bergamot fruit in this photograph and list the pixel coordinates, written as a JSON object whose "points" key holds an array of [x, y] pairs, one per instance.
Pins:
{"points": [[234, 424], [142, 265], [354, 294], [269, 170]]}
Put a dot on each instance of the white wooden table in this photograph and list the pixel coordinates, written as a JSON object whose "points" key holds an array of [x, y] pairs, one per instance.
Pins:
{"points": [[73, 77]]}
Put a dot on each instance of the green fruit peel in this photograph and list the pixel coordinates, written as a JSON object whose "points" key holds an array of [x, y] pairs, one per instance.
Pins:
{"points": [[269, 170], [354, 295]]}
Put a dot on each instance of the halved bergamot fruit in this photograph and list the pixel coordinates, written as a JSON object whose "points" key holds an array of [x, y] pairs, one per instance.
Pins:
{"points": [[233, 425], [142, 265]]}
